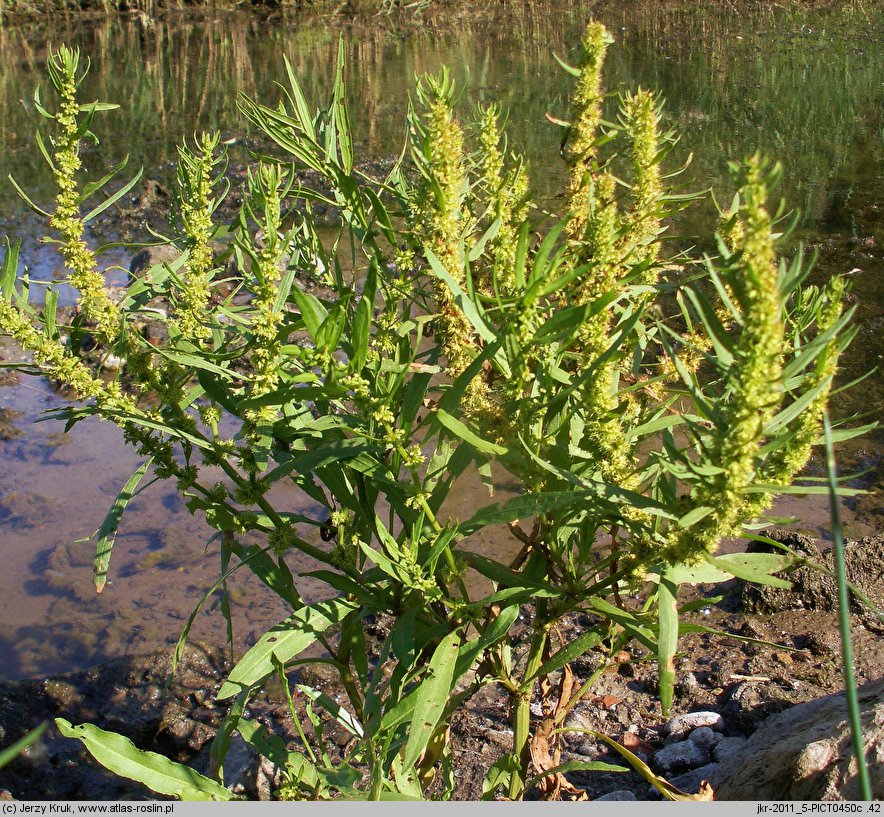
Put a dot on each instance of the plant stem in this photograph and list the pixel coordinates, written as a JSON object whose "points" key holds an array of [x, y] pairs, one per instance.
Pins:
{"points": [[522, 707], [844, 623]]}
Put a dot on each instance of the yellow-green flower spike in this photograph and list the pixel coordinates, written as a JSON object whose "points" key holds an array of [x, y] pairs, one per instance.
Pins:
{"points": [[579, 149], [92, 296], [641, 121], [755, 381], [507, 200], [267, 186], [440, 217], [787, 461], [195, 179]]}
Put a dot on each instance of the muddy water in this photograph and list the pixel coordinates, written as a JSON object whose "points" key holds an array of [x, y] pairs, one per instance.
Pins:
{"points": [[803, 85]]}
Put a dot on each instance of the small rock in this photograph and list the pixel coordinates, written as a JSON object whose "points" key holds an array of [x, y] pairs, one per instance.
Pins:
{"points": [[726, 747], [63, 694], [689, 782], [620, 794], [704, 737], [682, 724], [815, 758], [688, 684], [678, 757], [268, 779]]}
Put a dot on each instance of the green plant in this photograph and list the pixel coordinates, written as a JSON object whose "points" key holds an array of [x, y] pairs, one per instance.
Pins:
{"points": [[646, 406]]}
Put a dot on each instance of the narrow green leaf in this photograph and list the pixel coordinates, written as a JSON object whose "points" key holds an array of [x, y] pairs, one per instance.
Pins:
{"points": [[520, 507], [267, 744], [570, 69], [11, 752], [108, 530], [576, 766], [223, 737], [158, 773], [502, 575], [93, 187], [50, 311], [458, 428], [306, 462], [341, 715], [754, 567], [570, 652], [431, 697], [98, 210], [284, 641], [10, 268], [463, 301], [497, 630], [361, 331], [27, 199], [626, 620], [312, 311], [667, 641], [499, 774], [694, 516], [270, 573]]}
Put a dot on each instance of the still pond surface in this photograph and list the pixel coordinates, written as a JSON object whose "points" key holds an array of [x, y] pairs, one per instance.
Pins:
{"points": [[803, 86]]}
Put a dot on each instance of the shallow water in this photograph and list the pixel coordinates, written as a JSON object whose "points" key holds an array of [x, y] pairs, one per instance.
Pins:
{"points": [[804, 86]]}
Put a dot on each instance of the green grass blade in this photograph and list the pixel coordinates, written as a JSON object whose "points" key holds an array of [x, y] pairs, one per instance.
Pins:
{"points": [[844, 621], [11, 752]]}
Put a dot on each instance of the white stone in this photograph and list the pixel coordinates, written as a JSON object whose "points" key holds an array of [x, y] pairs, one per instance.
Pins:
{"points": [[681, 724]]}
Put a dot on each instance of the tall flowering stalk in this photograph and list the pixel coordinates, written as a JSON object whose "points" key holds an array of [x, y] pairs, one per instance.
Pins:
{"points": [[507, 195], [580, 148], [781, 467], [92, 296], [754, 388], [196, 179], [268, 187], [641, 121], [440, 218]]}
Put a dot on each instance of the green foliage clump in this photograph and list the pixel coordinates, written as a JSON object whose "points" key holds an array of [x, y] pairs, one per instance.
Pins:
{"points": [[646, 406]]}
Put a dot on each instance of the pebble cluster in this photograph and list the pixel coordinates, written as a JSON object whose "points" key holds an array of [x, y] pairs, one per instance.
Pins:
{"points": [[694, 745]]}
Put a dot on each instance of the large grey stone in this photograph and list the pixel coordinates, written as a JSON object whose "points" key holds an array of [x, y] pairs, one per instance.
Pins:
{"points": [[689, 782], [726, 747], [680, 756], [806, 753]]}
